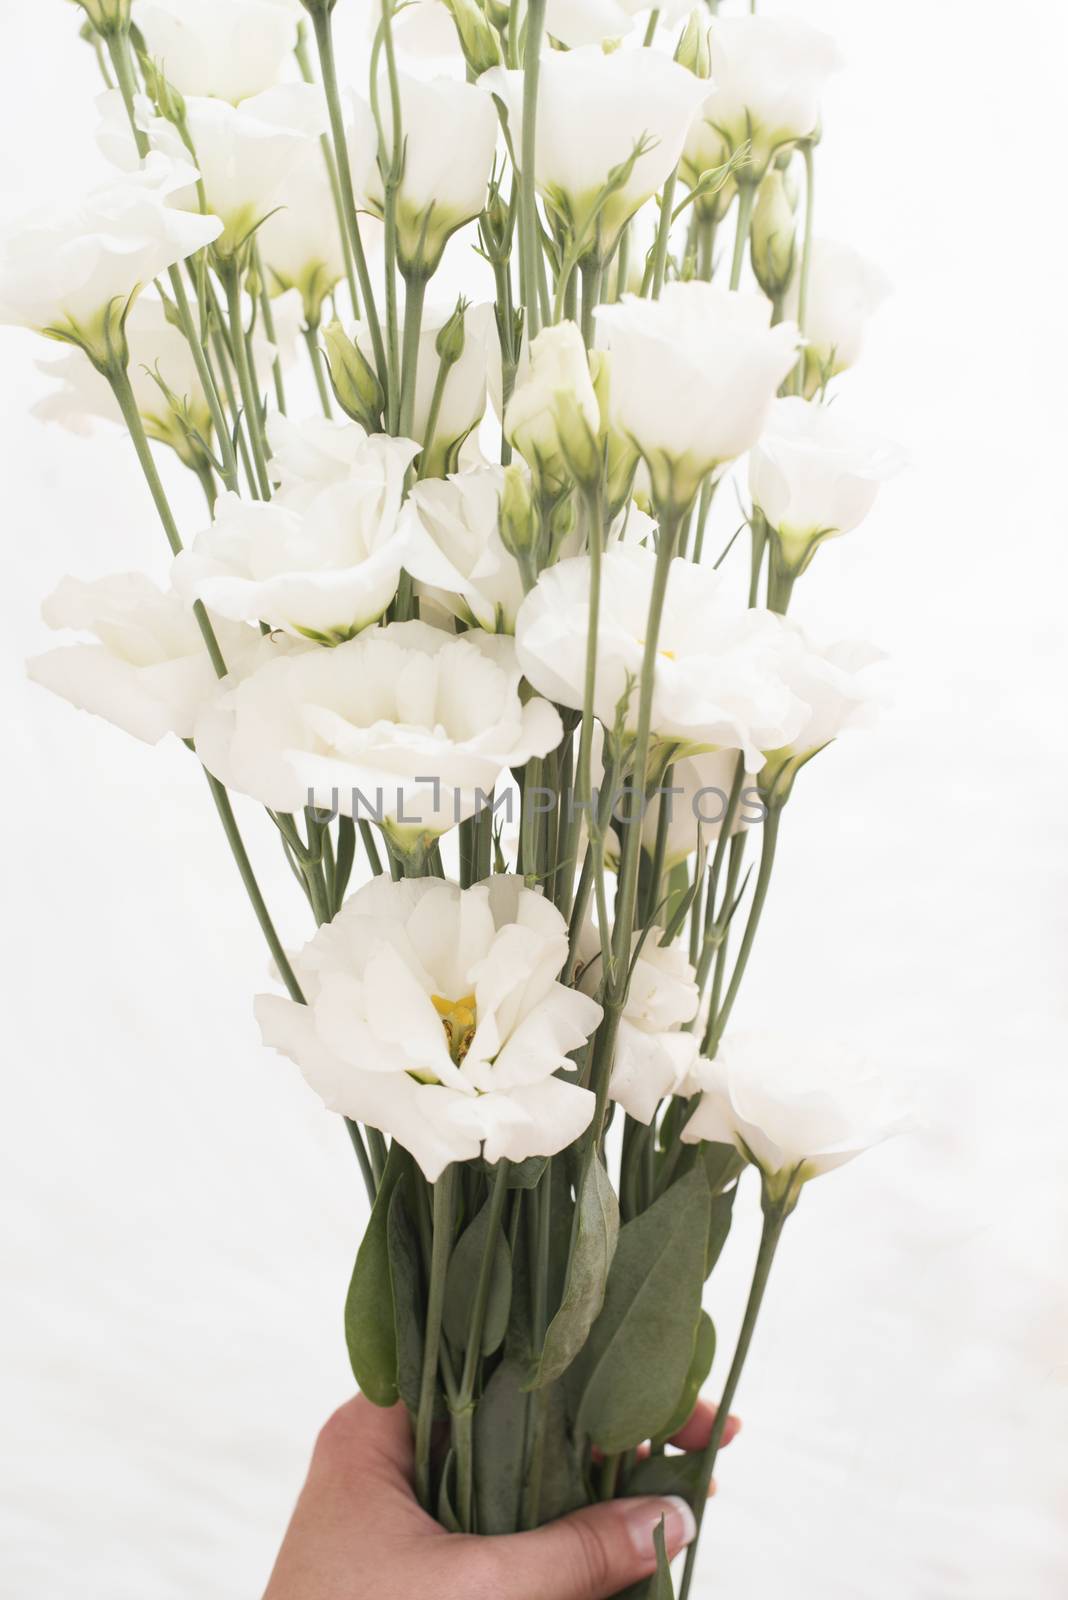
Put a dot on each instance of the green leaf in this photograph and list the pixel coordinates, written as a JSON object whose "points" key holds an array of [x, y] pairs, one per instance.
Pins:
{"points": [[662, 1475], [722, 1165], [704, 1351], [659, 1586], [500, 1420], [465, 1264], [628, 1379], [369, 1323], [405, 1274], [446, 1515], [597, 1231], [720, 1217]]}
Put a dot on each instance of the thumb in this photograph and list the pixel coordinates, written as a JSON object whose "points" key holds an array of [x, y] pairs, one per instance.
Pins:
{"points": [[595, 1553]]}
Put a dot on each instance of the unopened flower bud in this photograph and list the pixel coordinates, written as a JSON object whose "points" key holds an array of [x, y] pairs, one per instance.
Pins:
{"points": [[519, 520], [450, 341], [773, 242], [169, 103], [354, 381], [554, 410], [479, 42], [693, 52], [620, 455]]}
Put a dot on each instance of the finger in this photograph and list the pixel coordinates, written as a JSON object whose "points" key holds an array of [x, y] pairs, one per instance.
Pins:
{"points": [[696, 1433], [592, 1554]]}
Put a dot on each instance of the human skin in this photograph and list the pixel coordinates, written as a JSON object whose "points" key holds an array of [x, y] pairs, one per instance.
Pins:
{"points": [[358, 1532]]}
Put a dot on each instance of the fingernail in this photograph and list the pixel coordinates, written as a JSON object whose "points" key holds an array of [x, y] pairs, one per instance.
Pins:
{"points": [[645, 1516]]}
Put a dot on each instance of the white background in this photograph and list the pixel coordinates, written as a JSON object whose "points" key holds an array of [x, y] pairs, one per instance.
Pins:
{"points": [[179, 1214]]}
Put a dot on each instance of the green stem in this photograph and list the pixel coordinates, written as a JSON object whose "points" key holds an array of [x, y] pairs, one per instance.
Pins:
{"points": [[663, 240], [530, 242], [250, 400], [413, 326], [806, 254], [207, 380], [746, 197], [324, 41], [441, 1251], [650, 32], [717, 1023], [267, 313], [628, 878], [774, 1218], [472, 1356], [303, 62], [315, 356]]}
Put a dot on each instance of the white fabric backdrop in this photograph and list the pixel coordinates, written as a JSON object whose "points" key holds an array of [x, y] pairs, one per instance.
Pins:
{"points": [[179, 1216]]}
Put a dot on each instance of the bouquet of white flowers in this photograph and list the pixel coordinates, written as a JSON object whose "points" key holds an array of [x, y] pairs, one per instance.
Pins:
{"points": [[463, 635]]}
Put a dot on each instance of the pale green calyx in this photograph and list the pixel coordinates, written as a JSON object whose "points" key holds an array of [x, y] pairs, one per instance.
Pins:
{"points": [[107, 16]]}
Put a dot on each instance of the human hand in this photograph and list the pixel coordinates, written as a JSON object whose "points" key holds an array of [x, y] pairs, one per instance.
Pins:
{"points": [[358, 1532]]}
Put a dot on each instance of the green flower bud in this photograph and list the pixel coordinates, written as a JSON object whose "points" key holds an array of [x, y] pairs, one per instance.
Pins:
{"points": [[450, 341], [773, 241], [164, 96], [478, 40], [519, 519], [693, 52], [354, 381], [621, 457]]}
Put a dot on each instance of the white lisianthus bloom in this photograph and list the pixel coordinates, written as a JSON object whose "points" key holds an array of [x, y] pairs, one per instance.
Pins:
{"points": [[696, 798], [815, 477], [593, 109], [450, 138], [831, 681], [323, 558], [228, 49], [455, 551], [845, 290], [653, 1056], [147, 669], [767, 76], [406, 725], [579, 22], [793, 1106], [157, 349], [244, 153], [434, 1014], [324, 572], [300, 242], [694, 375], [72, 272], [718, 682], [553, 414]]}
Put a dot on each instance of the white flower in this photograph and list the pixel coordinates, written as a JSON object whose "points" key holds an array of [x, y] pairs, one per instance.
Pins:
{"points": [[693, 378], [579, 22], [844, 290], [148, 670], [323, 558], [157, 348], [793, 1106], [551, 402], [406, 725], [226, 48], [455, 549], [593, 109], [450, 138], [815, 477], [697, 799], [718, 681], [829, 680], [653, 1056], [72, 271], [434, 1014], [244, 153], [768, 74], [300, 242]]}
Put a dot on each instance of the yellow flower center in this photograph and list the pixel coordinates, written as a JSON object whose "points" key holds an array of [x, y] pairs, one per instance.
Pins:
{"points": [[459, 1019]]}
